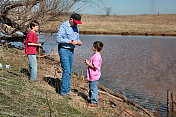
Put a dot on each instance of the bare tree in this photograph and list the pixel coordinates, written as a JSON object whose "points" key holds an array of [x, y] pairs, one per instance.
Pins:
{"points": [[15, 15]]}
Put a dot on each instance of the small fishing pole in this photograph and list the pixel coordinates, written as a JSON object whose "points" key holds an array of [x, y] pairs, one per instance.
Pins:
{"points": [[38, 48], [48, 37], [44, 41]]}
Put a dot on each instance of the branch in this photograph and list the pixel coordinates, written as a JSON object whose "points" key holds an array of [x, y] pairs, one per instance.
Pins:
{"points": [[12, 5]]}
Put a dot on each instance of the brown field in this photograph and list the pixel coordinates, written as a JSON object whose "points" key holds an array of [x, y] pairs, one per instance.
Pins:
{"points": [[163, 24]]}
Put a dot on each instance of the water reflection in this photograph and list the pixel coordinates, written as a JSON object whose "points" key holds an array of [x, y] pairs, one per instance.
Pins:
{"points": [[142, 68]]}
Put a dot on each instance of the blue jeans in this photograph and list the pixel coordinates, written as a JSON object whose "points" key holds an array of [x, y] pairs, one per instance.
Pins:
{"points": [[93, 91], [66, 59], [33, 66]]}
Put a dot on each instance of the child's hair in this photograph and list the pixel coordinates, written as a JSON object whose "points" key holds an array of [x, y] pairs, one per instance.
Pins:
{"points": [[34, 23], [98, 45]]}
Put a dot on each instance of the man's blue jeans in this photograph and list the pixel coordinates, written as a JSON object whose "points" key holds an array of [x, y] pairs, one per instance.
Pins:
{"points": [[33, 66], [93, 91], [66, 59]]}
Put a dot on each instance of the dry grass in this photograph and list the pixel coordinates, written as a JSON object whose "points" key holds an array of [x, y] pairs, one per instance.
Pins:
{"points": [[132, 23], [22, 97], [122, 23]]}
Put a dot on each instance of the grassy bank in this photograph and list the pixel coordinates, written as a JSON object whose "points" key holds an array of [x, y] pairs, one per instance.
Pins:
{"points": [[118, 24], [21, 97]]}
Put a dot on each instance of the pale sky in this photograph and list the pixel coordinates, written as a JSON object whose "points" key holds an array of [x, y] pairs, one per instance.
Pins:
{"points": [[129, 7]]}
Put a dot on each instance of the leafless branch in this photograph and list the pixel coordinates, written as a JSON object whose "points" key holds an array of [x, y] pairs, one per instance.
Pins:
{"points": [[15, 15]]}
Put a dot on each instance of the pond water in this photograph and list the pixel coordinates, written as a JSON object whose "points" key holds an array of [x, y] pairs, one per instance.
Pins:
{"points": [[140, 67]]}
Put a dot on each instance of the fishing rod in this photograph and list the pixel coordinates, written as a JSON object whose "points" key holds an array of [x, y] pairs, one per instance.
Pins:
{"points": [[46, 39], [38, 48]]}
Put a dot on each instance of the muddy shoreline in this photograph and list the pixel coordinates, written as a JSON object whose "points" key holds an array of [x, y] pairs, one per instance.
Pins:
{"points": [[119, 33], [126, 33]]}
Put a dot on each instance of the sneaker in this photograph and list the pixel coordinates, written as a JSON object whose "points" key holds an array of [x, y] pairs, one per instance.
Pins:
{"points": [[93, 105]]}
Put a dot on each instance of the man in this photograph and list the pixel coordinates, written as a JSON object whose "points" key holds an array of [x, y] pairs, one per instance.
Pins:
{"points": [[67, 38]]}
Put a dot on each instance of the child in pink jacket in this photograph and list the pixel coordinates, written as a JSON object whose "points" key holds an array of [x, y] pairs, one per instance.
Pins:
{"points": [[93, 72]]}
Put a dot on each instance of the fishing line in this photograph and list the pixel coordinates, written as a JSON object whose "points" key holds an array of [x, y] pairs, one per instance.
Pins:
{"points": [[39, 61]]}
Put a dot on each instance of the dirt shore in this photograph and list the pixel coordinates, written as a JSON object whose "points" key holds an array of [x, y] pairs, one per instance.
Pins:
{"points": [[49, 74], [147, 25]]}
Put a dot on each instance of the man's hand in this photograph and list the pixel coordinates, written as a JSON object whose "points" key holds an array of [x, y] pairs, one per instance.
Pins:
{"points": [[79, 43], [73, 42]]}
